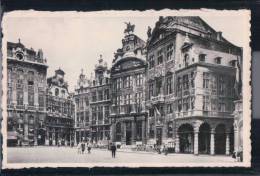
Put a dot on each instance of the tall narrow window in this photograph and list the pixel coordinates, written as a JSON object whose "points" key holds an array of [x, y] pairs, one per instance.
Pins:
{"points": [[186, 104], [94, 96], [169, 84], [221, 85], [150, 90], [192, 77], [41, 98], [186, 60], [179, 84], [100, 113], [151, 61], [106, 94], [139, 79], [94, 114], [19, 87], [169, 52], [159, 89], [206, 103], [179, 105], [205, 80], [169, 108], [100, 95], [202, 57], [185, 82], [170, 129], [192, 102], [160, 57]]}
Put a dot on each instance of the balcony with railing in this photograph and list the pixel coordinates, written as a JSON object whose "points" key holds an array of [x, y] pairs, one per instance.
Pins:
{"points": [[158, 99], [20, 107], [31, 108], [203, 113]]}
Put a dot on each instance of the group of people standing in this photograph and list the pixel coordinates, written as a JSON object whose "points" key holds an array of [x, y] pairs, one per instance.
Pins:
{"points": [[82, 147]]}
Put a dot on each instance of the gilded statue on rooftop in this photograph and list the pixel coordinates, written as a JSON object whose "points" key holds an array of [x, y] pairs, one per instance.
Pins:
{"points": [[129, 28]]}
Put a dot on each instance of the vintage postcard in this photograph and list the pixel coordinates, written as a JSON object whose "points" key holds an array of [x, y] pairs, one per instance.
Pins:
{"points": [[126, 89]]}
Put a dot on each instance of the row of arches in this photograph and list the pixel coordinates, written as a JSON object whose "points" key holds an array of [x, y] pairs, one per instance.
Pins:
{"points": [[209, 140]]}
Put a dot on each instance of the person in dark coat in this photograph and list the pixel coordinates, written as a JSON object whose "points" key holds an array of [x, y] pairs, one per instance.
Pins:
{"points": [[83, 147], [113, 150], [89, 148]]}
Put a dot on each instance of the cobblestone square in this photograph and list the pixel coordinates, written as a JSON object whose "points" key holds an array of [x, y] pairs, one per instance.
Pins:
{"points": [[70, 155]]}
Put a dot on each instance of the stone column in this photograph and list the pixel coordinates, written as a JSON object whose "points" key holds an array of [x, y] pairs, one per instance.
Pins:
{"points": [[212, 142], [104, 132], [123, 129], [133, 132], [26, 128], [113, 130], [236, 138], [47, 137], [75, 138], [25, 96], [177, 143], [227, 144], [143, 132], [196, 142], [36, 96]]}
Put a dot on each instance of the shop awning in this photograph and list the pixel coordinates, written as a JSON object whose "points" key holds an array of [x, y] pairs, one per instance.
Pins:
{"points": [[11, 135]]}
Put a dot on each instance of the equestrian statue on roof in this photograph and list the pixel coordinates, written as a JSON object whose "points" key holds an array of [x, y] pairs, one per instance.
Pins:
{"points": [[129, 28]]}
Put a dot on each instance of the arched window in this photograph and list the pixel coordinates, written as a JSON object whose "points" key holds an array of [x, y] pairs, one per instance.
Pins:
{"points": [[186, 60], [170, 129], [56, 92]]}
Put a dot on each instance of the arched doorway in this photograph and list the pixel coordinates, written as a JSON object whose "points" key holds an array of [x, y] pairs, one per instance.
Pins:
{"points": [[204, 139], [186, 137], [220, 139], [118, 132], [41, 137]]}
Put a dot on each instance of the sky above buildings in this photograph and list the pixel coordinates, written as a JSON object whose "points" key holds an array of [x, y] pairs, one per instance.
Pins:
{"points": [[74, 41]]}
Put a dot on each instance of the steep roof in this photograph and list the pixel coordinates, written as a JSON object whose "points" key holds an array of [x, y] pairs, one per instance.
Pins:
{"points": [[171, 23]]}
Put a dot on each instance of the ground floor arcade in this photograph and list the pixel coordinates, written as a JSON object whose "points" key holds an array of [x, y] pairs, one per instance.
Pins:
{"points": [[129, 130], [58, 136], [204, 136]]}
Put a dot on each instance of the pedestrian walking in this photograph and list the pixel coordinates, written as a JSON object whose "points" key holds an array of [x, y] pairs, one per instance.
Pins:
{"points": [[113, 150], [165, 149], [83, 147], [89, 148], [79, 148]]}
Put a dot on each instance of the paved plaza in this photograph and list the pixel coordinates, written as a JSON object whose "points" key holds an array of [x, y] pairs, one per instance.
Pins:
{"points": [[70, 155]]}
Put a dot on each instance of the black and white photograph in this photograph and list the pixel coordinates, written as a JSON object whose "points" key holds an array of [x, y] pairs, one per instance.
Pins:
{"points": [[126, 89]]}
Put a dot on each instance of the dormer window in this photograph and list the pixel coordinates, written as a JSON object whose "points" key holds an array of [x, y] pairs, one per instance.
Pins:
{"points": [[56, 92], [202, 57], [232, 63], [19, 56], [218, 60], [186, 60]]}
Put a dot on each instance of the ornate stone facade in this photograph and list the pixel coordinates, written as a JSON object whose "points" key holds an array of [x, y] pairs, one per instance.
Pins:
{"points": [[60, 111], [26, 101], [100, 102], [192, 68], [82, 118], [128, 114]]}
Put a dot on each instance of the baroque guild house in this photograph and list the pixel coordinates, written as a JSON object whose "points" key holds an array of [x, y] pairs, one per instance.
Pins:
{"points": [[128, 116], [60, 111], [26, 90], [191, 77]]}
